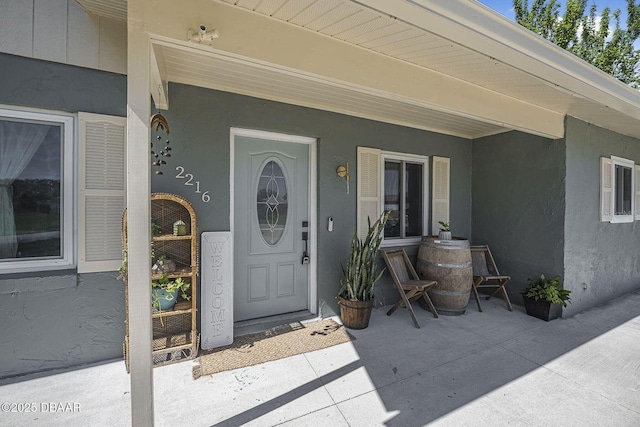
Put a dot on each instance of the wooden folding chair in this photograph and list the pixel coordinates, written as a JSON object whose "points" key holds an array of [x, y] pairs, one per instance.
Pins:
{"points": [[407, 282], [486, 274]]}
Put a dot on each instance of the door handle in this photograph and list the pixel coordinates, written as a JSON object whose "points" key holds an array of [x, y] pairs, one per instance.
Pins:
{"points": [[305, 239]]}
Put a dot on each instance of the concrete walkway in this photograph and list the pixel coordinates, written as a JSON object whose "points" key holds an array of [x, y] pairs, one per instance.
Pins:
{"points": [[481, 369]]}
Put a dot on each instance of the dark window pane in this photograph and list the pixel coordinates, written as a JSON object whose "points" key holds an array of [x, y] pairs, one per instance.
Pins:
{"points": [[623, 190], [392, 202], [30, 187], [272, 203], [413, 200]]}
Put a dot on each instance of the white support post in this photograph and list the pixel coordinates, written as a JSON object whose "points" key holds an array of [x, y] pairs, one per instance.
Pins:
{"points": [[139, 216]]}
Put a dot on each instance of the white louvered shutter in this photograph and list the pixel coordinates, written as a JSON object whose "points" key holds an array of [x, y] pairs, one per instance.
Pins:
{"points": [[637, 213], [368, 188], [606, 189], [101, 191], [440, 194]]}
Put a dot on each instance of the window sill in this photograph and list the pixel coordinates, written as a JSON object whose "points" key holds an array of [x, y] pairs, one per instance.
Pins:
{"points": [[400, 242], [29, 267], [621, 219]]}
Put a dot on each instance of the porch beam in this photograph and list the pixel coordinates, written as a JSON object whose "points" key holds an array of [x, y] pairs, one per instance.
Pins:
{"points": [[139, 215], [158, 87], [297, 50]]}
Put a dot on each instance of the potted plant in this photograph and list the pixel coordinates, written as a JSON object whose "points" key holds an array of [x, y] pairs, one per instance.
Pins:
{"points": [[360, 275], [544, 298], [164, 292], [445, 231]]}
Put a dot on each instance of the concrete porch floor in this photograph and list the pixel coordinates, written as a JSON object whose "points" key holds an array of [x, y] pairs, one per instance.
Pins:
{"points": [[492, 368]]}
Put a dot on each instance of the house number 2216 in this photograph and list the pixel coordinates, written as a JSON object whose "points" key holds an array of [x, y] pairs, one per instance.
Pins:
{"points": [[189, 181]]}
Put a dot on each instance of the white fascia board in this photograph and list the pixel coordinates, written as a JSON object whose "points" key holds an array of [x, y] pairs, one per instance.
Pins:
{"points": [[473, 25]]}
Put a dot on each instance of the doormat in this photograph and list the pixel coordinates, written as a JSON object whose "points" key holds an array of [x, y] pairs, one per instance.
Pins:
{"points": [[273, 344]]}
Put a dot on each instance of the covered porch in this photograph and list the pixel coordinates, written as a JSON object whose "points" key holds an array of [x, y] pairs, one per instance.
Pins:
{"points": [[491, 368], [415, 64]]}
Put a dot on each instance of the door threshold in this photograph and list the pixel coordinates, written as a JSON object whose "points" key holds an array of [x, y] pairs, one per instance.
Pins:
{"points": [[261, 324]]}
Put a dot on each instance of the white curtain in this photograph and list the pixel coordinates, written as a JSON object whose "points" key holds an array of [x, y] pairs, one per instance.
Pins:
{"points": [[18, 143]]}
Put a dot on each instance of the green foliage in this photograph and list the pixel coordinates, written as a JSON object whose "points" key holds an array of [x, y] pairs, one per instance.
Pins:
{"points": [[587, 35], [362, 267], [170, 285], [547, 289], [444, 226], [155, 229]]}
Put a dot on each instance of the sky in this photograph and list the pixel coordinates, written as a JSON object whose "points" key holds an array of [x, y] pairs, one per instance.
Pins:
{"points": [[505, 7]]}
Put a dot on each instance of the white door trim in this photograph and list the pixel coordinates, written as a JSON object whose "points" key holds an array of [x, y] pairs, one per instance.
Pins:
{"points": [[313, 208]]}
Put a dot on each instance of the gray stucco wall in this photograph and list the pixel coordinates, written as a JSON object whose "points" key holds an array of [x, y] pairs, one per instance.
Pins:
{"points": [[200, 120], [518, 205], [57, 319], [602, 257], [40, 84]]}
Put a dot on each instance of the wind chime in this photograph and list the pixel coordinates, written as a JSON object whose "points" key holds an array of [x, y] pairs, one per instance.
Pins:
{"points": [[158, 122]]}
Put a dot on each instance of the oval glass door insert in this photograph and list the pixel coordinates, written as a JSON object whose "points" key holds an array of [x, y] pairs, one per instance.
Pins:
{"points": [[272, 203]]}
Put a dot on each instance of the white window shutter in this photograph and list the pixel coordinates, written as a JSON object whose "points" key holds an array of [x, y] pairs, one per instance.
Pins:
{"points": [[440, 193], [606, 189], [637, 213], [369, 205], [101, 191]]}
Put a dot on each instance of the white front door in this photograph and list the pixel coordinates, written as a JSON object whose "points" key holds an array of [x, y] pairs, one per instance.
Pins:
{"points": [[270, 215]]}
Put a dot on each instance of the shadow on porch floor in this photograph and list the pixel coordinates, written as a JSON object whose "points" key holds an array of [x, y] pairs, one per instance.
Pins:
{"points": [[491, 368]]}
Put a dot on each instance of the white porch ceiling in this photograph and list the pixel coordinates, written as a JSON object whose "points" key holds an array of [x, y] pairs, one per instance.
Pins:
{"points": [[371, 28], [239, 76], [114, 9]]}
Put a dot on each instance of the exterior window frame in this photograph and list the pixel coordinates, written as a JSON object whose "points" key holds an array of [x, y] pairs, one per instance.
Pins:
{"points": [[619, 161], [407, 158], [67, 172]]}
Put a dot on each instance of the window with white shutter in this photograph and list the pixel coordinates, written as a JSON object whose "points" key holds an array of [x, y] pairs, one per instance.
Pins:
{"points": [[404, 192], [606, 189], [101, 191], [36, 190], [617, 189], [441, 190], [395, 182]]}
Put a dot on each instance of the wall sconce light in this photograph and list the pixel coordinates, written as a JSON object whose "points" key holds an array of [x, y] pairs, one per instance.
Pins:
{"points": [[343, 172]]}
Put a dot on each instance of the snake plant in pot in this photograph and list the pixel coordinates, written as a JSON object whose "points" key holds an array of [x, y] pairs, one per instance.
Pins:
{"points": [[360, 275]]}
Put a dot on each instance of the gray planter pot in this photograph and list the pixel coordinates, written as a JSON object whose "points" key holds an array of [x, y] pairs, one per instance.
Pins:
{"points": [[542, 309], [444, 235]]}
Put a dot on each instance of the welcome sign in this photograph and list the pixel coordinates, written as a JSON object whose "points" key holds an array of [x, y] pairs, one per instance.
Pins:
{"points": [[216, 320]]}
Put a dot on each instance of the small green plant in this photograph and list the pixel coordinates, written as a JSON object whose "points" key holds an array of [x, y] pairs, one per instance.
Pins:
{"points": [[155, 229], [169, 285], [444, 226], [548, 290], [362, 272], [122, 270]]}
